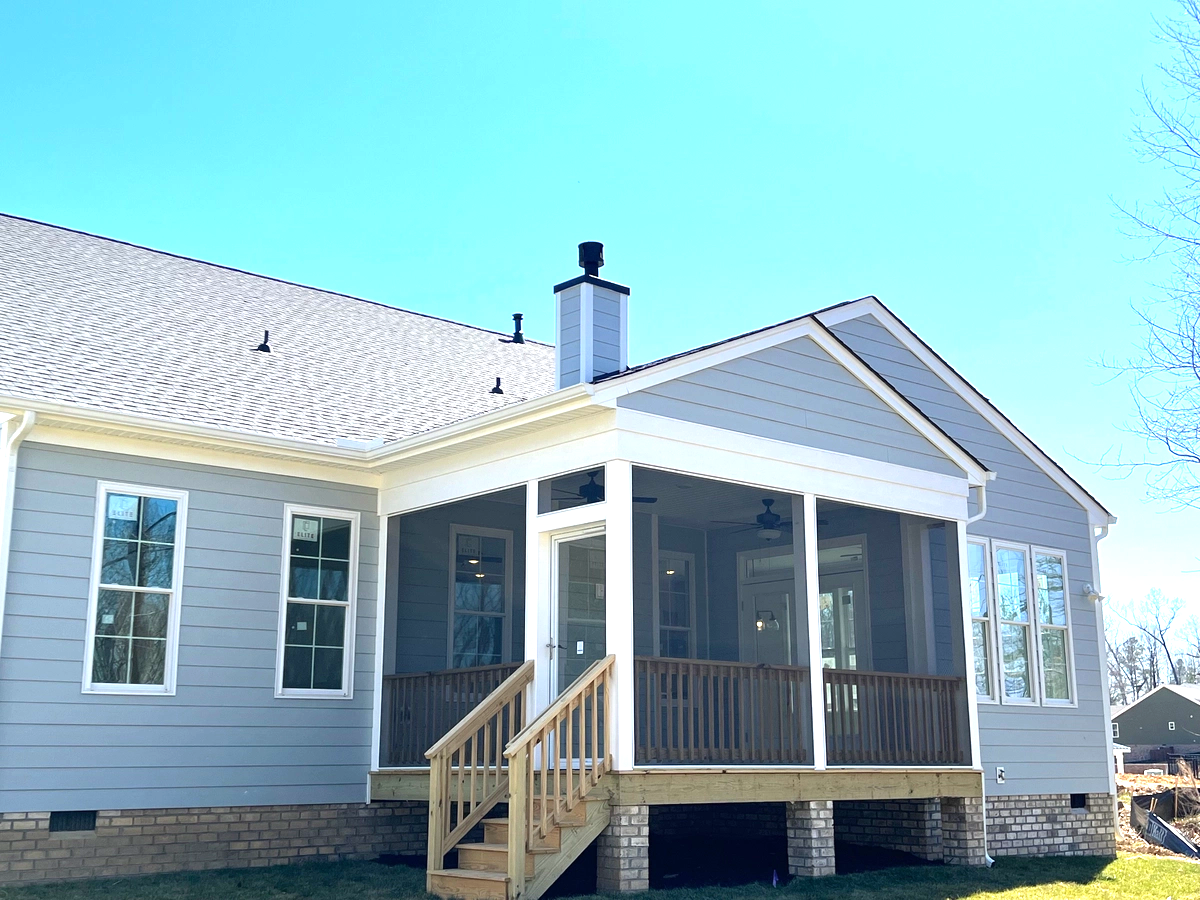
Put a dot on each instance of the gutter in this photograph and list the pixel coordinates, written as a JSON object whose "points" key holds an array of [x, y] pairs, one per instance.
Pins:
{"points": [[14, 434]]}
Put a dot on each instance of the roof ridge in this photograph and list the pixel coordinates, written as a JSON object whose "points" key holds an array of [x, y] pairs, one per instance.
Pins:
{"points": [[307, 287]]}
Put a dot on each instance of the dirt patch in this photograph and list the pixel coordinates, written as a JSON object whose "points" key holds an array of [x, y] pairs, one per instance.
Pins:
{"points": [[1129, 840]]}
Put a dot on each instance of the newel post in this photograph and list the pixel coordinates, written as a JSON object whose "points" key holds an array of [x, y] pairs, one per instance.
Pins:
{"points": [[618, 493]]}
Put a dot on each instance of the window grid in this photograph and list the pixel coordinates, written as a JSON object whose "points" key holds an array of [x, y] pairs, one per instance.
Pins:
{"points": [[479, 616], [1016, 660], [133, 606], [1053, 625], [319, 592], [675, 601]]}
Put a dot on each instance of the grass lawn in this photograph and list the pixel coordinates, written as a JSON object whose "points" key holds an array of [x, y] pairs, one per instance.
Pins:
{"points": [[1133, 877]]}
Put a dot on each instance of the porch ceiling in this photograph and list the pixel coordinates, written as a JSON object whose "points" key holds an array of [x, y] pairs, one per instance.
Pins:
{"points": [[703, 503]]}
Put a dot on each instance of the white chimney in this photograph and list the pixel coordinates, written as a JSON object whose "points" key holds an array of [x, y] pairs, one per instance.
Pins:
{"points": [[592, 322]]}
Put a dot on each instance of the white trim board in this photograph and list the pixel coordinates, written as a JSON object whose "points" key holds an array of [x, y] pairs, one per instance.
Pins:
{"points": [[871, 306]]}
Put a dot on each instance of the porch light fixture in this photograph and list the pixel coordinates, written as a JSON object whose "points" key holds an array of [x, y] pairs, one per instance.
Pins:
{"points": [[769, 534], [478, 574], [766, 621], [670, 572]]}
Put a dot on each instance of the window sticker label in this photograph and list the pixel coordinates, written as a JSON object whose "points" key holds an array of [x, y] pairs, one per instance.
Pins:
{"points": [[121, 506], [107, 619], [302, 626], [305, 529]]}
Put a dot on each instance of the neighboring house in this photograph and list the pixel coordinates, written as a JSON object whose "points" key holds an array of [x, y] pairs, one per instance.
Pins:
{"points": [[1164, 722], [805, 581]]}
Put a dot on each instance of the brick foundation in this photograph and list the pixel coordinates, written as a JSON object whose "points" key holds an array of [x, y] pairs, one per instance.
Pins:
{"points": [[962, 831], [1045, 825], [912, 826], [141, 841], [810, 838], [623, 851]]}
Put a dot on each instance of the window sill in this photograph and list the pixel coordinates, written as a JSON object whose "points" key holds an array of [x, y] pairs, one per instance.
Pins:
{"points": [[299, 694], [129, 691]]}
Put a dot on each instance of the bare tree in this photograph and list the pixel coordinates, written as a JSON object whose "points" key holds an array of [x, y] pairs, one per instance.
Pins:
{"points": [[1152, 620], [1165, 374]]}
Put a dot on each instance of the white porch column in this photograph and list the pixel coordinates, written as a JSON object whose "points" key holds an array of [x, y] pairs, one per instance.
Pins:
{"points": [[537, 591], [618, 634], [963, 577], [812, 592]]}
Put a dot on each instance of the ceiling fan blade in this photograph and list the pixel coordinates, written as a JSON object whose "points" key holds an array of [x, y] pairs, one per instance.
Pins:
{"points": [[645, 499]]}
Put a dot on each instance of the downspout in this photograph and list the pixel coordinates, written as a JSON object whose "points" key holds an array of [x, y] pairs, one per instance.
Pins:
{"points": [[987, 857], [8, 488], [1102, 648], [982, 488]]}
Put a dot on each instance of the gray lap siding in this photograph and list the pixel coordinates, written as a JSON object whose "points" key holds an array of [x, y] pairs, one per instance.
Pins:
{"points": [[224, 739], [1044, 750]]}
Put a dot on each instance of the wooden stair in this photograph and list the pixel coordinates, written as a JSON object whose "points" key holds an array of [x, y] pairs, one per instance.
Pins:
{"points": [[483, 866]]}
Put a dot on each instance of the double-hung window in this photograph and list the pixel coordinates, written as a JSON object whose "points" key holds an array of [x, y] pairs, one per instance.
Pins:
{"points": [[480, 595], [1053, 625], [1013, 612], [316, 622], [137, 573], [980, 601], [676, 600]]}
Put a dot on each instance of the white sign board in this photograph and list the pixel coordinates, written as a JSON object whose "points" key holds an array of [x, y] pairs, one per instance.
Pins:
{"points": [[122, 506], [304, 529]]}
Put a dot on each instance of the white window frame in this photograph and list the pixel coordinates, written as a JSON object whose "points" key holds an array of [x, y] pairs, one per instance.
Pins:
{"points": [[1116, 729], [1069, 640], [690, 558], [991, 632], [1034, 662], [506, 625], [350, 627], [171, 661]]}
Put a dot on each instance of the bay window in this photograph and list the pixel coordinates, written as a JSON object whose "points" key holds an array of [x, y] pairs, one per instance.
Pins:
{"points": [[137, 573], [316, 621]]}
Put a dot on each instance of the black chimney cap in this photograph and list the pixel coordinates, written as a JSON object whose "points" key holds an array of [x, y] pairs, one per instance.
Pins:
{"points": [[591, 257]]}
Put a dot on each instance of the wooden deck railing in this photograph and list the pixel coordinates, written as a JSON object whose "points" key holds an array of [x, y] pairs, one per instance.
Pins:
{"points": [[556, 761], [881, 718], [420, 708], [467, 777], [700, 711]]}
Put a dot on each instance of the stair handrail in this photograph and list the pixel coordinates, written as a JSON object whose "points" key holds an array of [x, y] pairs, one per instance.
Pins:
{"points": [[531, 749], [463, 741]]}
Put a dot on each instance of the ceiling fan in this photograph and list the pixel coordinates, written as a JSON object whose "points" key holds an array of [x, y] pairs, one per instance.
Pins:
{"points": [[591, 492], [769, 525]]}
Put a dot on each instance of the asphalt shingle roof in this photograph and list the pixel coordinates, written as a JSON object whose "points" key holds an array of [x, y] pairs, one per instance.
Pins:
{"points": [[96, 322]]}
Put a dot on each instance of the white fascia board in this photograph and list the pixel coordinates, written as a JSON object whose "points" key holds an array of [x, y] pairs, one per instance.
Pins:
{"points": [[158, 437], [702, 450], [1097, 514], [507, 462], [608, 392]]}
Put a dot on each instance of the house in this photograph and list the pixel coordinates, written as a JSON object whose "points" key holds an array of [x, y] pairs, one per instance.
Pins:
{"points": [[288, 574], [1162, 723]]}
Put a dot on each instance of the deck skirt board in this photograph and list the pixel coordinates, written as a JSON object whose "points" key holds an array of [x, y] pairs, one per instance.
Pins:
{"points": [[738, 785]]}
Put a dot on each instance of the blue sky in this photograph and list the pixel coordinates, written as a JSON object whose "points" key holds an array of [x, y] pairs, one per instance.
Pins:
{"points": [[743, 163]]}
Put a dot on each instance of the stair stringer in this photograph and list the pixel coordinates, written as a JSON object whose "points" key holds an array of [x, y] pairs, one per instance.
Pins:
{"points": [[548, 867]]}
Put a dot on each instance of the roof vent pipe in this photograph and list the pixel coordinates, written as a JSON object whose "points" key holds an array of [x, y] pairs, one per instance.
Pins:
{"points": [[518, 337]]}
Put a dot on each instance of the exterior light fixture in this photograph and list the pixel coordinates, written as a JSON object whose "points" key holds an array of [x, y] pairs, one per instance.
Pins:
{"points": [[670, 572], [765, 621]]}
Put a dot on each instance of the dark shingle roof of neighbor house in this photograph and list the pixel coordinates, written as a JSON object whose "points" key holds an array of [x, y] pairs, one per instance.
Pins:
{"points": [[100, 323]]}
